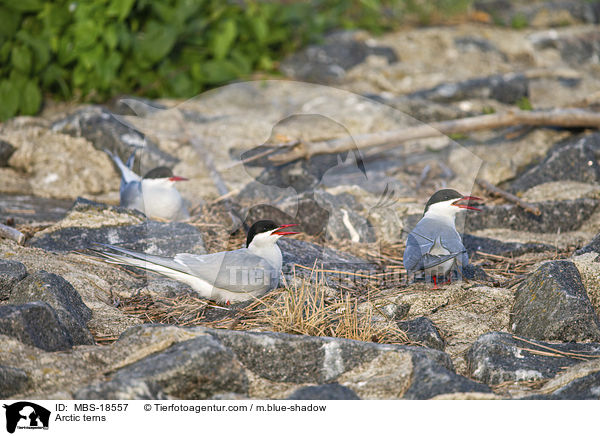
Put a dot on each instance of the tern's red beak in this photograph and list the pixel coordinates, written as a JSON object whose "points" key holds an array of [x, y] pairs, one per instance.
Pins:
{"points": [[464, 206], [285, 226], [177, 179]]}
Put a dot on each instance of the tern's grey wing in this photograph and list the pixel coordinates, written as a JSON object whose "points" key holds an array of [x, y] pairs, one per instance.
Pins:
{"points": [[131, 195], [127, 175], [235, 271], [413, 257]]}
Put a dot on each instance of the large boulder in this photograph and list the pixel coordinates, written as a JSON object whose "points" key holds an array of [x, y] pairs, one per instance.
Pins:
{"points": [[552, 304]]}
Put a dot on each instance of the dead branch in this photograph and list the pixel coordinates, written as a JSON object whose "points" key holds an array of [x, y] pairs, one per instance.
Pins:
{"points": [[391, 139], [12, 234], [492, 189]]}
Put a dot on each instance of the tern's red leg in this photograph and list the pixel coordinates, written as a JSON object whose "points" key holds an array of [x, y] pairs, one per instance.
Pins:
{"points": [[434, 282], [227, 303]]}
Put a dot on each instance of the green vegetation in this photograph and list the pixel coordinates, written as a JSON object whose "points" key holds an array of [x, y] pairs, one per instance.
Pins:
{"points": [[524, 104], [92, 50]]}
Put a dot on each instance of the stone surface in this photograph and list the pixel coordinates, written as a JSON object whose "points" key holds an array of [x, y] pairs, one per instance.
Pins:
{"points": [[64, 299], [329, 391], [508, 88], [572, 159], [30, 209], [6, 151], [555, 215], [329, 62], [423, 331], [497, 357], [296, 251], [319, 213], [195, 369], [539, 14], [90, 222], [593, 246], [12, 381], [552, 304], [430, 379], [501, 248], [105, 131], [35, 324], [11, 272]]}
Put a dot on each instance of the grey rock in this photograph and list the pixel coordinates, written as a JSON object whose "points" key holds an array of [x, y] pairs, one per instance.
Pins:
{"points": [[501, 248], [508, 88], [593, 246], [329, 391], [105, 131], [25, 209], [12, 381], [565, 215], [35, 324], [552, 304], [423, 331], [296, 251], [318, 213], [329, 62], [583, 388], [6, 151], [575, 48], [64, 299], [165, 239], [430, 379], [474, 43], [498, 357], [546, 13], [194, 369], [572, 159], [11, 272], [282, 357], [475, 272]]}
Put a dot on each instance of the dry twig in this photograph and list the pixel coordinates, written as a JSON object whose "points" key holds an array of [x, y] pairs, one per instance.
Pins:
{"points": [[391, 139], [492, 189], [12, 234]]}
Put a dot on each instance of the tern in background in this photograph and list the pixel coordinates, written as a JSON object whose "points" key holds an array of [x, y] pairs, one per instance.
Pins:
{"points": [[154, 194], [228, 276], [434, 246]]}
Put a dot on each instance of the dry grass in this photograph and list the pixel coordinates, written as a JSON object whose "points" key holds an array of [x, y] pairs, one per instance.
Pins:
{"points": [[306, 306]]}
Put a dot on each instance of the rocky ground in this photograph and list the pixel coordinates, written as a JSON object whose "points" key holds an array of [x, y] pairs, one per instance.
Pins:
{"points": [[344, 324]]}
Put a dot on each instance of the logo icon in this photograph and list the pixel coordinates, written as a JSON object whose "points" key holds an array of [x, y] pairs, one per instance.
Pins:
{"points": [[26, 415]]}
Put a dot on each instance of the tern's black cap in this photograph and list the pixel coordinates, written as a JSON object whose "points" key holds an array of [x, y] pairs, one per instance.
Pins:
{"points": [[442, 195], [159, 173], [260, 227]]}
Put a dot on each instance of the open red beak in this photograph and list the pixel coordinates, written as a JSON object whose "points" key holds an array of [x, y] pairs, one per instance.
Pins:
{"points": [[464, 206], [177, 179], [285, 226]]}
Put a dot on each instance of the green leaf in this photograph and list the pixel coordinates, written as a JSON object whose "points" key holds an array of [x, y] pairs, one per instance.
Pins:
{"points": [[223, 38], [111, 36], [217, 72], [92, 57], [85, 33], [25, 5], [156, 41], [40, 46], [120, 8], [31, 99], [9, 21], [9, 96], [21, 59]]}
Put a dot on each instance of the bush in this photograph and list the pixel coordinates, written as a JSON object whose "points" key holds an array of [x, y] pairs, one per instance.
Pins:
{"points": [[94, 49]]}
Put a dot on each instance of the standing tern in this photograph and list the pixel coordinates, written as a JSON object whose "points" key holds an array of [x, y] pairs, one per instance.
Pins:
{"points": [[434, 246], [228, 276], [154, 194]]}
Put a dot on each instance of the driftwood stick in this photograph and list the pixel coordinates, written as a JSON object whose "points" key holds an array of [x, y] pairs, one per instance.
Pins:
{"points": [[390, 139], [12, 234], [492, 189]]}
